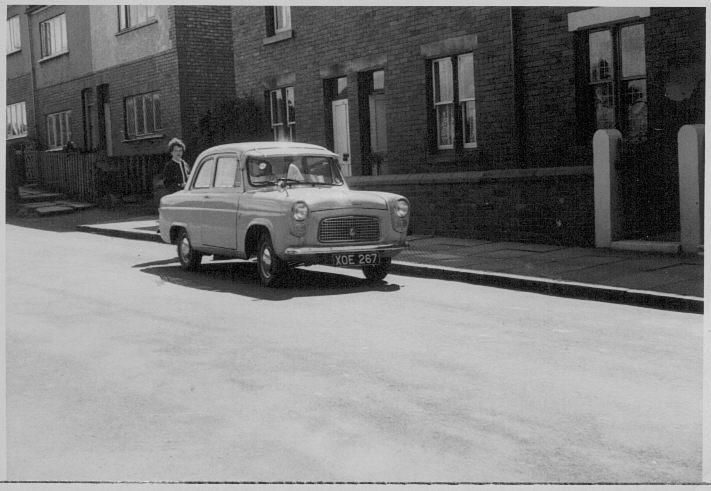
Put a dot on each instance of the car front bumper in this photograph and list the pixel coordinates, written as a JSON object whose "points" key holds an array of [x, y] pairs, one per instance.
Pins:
{"points": [[323, 253]]}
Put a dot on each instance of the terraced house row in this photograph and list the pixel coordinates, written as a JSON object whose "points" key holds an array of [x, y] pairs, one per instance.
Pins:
{"points": [[483, 116]]}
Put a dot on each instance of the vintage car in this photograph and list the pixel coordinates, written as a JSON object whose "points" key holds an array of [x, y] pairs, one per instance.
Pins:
{"points": [[285, 203]]}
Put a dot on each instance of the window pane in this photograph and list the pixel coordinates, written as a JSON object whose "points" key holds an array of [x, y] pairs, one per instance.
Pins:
{"points": [[379, 80], [601, 56], [604, 106], [204, 177], [130, 118], [636, 102], [277, 107], [442, 70], [466, 76], [156, 111], [140, 116], [290, 110], [341, 87], [122, 16], [67, 126], [445, 126], [62, 33], [469, 123], [148, 104], [282, 17], [632, 47], [226, 172], [50, 140]]}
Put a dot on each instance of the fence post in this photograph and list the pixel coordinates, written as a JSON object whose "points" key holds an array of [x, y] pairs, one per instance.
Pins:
{"points": [[691, 186], [606, 154]]}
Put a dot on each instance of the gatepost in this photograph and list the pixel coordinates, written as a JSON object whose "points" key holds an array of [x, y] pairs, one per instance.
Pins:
{"points": [[691, 186], [606, 152]]}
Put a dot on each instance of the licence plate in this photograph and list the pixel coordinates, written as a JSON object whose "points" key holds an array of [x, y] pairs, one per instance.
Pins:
{"points": [[356, 259]]}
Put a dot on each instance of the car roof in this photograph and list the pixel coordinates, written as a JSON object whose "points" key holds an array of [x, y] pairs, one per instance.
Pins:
{"points": [[267, 148]]}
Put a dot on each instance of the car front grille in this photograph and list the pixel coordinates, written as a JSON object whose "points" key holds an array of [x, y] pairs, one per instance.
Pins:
{"points": [[349, 229]]}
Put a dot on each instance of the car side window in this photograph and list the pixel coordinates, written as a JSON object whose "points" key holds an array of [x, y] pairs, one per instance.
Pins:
{"points": [[226, 175], [204, 176]]}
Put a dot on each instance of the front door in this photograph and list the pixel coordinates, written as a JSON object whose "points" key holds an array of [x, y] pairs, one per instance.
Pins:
{"points": [[341, 134]]}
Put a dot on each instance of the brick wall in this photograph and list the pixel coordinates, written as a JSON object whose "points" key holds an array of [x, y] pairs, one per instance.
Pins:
{"points": [[155, 73], [331, 36], [203, 38], [554, 205]]}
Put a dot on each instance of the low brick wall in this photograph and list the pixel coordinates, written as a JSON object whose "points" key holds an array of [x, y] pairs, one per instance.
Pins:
{"points": [[543, 205]]}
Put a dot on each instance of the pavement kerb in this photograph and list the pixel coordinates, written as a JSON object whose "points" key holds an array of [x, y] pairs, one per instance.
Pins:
{"points": [[601, 293]]}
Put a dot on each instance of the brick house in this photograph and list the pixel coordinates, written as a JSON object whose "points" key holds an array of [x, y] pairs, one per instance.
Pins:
{"points": [[118, 78], [484, 116]]}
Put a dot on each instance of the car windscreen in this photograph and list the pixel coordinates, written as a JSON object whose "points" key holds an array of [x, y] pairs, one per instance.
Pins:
{"points": [[293, 169]]}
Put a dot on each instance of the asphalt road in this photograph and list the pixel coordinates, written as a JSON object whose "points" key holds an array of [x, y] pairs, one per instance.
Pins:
{"points": [[120, 366]]}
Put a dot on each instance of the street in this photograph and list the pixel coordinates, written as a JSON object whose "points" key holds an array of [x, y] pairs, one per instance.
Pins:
{"points": [[121, 366]]}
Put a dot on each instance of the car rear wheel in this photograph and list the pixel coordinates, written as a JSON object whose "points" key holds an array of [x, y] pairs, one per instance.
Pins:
{"points": [[270, 267], [189, 257], [377, 272]]}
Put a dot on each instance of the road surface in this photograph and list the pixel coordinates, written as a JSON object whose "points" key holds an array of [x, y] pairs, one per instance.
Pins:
{"points": [[121, 366]]}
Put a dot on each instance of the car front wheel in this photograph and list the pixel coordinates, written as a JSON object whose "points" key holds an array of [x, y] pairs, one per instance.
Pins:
{"points": [[269, 265], [377, 272], [189, 257]]}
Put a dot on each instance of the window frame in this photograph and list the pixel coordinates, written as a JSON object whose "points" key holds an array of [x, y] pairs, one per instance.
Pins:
{"points": [[618, 82], [13, 34], [237, 181], [125, 14], [130, 112], [286, 10], [49, 37], [454, 99], [207, 160], [13, 110], [54, 135], [285, 123]]}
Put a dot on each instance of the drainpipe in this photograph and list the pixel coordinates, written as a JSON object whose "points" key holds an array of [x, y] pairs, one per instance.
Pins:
{"points": [[33, 76]]}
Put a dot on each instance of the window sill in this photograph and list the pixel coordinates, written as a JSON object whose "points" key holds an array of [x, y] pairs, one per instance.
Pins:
{"points": [[452, 156], [152, 136], [51, 57], [279, 36], [14, 51], [15, 137], [133, 28]]}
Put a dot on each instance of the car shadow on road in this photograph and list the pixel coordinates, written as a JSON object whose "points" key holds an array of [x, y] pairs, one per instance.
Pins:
{"points": [[241, 278]]}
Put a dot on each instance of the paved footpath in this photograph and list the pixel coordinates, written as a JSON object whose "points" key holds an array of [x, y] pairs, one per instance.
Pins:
{"points": [[667, 281]]}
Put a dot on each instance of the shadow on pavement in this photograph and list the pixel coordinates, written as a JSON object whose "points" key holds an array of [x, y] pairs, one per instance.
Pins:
{"points": [[241, 278], [70, 221]]}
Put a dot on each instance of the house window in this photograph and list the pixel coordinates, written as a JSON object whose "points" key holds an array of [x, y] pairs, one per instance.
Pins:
{"points": [[283, 117], [13, 34], [58, 129], [619, 92], [135, 15], [16, 119], [53, 36], [454, 102], [142, 115], [278, 19]]}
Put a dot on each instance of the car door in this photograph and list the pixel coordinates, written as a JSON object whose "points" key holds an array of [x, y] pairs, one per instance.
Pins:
{"points": [[221, 202], [193, 210]]}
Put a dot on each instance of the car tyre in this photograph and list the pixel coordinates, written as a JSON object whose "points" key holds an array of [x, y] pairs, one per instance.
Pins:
{"points": [[270, 267], [189, 258], [377, 272]]}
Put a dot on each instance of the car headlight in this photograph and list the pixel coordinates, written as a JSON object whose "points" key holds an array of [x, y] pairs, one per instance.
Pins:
{"points": [[299, 211], [402, 208]]}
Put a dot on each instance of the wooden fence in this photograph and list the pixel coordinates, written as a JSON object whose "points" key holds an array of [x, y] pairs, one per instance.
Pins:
{"points": [[93, 176]]}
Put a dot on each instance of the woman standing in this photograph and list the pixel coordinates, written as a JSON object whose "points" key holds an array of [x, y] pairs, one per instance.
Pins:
{"points": [[176, 170]]}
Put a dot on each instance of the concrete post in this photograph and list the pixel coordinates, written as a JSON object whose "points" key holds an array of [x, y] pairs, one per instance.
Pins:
{"points": [[606, 150], [691, 186]]}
